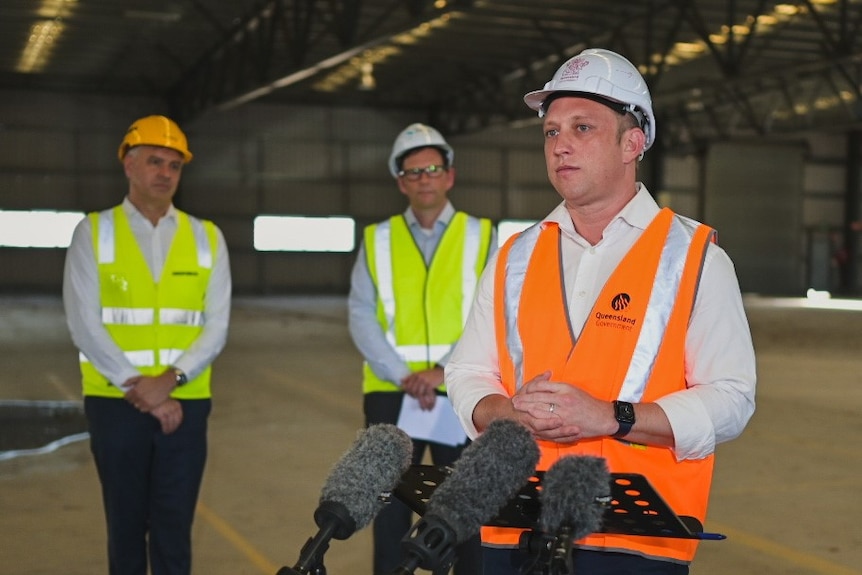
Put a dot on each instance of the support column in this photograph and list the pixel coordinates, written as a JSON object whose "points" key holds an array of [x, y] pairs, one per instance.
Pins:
{"points": [[852, 215]]}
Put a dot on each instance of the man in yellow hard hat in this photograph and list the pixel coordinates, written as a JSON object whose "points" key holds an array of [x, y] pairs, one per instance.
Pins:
{"points": [[147, 291]]}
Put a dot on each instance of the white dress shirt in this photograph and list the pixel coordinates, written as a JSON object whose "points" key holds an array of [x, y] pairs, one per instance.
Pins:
{"points": [[82, 301], [719, 355]]}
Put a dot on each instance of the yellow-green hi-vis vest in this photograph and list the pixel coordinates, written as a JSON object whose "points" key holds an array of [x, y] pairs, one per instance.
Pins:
{"points": [[422, 309], [153, 322]]}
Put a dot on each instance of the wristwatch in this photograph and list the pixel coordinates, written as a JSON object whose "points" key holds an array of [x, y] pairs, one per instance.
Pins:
{"points": [[624, 413], [182, 379]]}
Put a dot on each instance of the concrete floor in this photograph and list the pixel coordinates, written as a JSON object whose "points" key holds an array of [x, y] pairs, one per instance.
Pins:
{"points": [[288, 405]]}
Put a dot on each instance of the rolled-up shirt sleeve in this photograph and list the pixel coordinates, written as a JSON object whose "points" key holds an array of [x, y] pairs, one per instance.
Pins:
{"points": [[720, 366]]}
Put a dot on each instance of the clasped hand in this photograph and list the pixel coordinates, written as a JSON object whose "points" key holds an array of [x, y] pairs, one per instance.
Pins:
{"points": [[152, 394], [423, 386], [560, 412]]}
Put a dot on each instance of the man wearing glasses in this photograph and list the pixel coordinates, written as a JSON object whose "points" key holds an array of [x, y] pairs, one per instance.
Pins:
{"points": [[411, 289]]}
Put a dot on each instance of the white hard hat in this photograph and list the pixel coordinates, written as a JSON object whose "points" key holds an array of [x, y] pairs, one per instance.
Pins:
{"points": [[604, 74], [418, 136]]}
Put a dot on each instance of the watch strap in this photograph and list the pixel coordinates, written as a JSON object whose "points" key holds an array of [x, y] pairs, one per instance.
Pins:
{"points": [[623, 429]]}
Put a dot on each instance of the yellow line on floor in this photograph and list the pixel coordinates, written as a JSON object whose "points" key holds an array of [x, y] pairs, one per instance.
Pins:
{"points": [[61, 386], [239, 542], [782, 552], [332, 401]]}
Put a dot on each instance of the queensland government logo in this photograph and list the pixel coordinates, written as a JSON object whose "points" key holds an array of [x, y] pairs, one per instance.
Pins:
{"points": [[619, 303]]}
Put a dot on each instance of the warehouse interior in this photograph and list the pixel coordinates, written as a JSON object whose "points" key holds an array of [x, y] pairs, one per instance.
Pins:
{"points": [[291, 107]]}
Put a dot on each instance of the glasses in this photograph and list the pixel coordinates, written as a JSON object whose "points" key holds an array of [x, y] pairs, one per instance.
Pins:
{"points": [[415, 174]]}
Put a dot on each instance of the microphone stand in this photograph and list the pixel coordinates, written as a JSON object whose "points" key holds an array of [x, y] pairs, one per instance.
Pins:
{"points": [[549, 554], [430, 544], [311, 557], [333, 520]]}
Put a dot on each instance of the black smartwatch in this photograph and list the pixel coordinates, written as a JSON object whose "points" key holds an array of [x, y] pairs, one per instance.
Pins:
{"points": [[624, 413], [182, 379]]}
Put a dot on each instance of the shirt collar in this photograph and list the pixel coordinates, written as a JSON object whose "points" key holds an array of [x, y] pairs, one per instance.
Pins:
{"points": [[638, 213], [133, 213], [442, 220]]}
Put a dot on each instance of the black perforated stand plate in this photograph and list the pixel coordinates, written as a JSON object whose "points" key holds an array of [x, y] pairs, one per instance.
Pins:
{"points": [[635, 507]]}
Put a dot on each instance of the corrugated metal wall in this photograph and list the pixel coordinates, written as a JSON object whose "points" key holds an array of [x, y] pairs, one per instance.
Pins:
{"points": [[754, 200], [59, 152]]}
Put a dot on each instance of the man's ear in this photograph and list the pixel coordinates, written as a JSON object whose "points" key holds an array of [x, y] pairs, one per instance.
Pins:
{"points": [[634, 142], [401, 187], [127, 162]]}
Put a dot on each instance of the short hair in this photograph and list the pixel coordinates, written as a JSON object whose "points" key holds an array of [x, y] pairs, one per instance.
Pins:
{"points": [[399, 161], [627, 122]]}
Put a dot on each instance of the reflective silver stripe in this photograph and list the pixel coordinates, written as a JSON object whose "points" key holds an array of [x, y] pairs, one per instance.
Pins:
{"points": [[383, 267], [662, 298], [691, 226], [145, 357], [106, 237], [141, 358], [430, 353], [468, 266], [205, 255], [127, 316], [169, 356], [516, 271], [174, 316], [146, 316]]}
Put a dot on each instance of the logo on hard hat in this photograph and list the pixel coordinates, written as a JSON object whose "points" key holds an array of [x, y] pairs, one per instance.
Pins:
{"points": [[573, 68]]}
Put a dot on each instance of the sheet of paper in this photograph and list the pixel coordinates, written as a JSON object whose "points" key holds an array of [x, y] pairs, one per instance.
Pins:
{"points": [[439, 424]]}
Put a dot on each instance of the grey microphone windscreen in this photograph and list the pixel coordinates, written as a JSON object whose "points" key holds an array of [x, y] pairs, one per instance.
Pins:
{"points": [[572, 493], [373, 465], [490, 471]]}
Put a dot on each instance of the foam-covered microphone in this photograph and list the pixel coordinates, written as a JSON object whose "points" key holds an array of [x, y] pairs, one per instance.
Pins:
{"points": [[354, 493], [575, 493], [490, 471]]}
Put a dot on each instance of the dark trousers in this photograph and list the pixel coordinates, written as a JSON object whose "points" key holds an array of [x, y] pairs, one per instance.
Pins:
{"points": [[509, 562], [396, 519], [150, 483]]}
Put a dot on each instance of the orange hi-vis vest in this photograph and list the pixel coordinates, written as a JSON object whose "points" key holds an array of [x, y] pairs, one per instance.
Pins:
{"points": [[632, 348]]}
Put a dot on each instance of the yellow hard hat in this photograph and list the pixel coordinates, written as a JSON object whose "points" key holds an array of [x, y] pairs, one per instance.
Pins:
{"points": [[155, 131]]}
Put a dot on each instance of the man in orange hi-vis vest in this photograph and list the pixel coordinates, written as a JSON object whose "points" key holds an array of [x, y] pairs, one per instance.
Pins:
{"points": [[612, 328]]}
